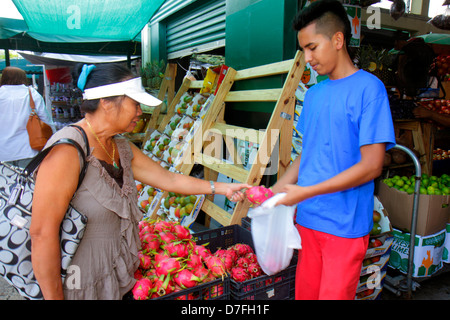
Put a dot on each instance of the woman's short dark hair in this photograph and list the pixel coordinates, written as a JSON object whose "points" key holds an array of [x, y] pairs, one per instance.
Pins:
{"points": [[13, 76], [330, 17], [102, 74]]}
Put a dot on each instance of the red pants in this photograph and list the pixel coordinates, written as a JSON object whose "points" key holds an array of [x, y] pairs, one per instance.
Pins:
{"points": [[328, 266]]}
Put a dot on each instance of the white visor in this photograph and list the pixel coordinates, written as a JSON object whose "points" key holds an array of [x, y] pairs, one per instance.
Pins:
{"points": [[131, 88]]}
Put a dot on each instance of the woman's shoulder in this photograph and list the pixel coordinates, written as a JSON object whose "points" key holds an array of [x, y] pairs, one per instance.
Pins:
{"points": [[67, 132]]}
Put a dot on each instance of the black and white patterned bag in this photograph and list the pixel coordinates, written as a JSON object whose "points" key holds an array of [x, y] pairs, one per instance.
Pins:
{"points": [[16, 195]]}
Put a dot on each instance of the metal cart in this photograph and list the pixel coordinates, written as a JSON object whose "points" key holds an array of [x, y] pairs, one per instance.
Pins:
{"points": [[399, 285]]}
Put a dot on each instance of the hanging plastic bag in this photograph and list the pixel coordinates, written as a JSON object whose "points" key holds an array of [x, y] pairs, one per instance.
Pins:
{"points": [[274, 234]]}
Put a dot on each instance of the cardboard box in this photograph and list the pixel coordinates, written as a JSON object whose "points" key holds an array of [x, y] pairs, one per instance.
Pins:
{"points": [[432, 214], [428, 253]]}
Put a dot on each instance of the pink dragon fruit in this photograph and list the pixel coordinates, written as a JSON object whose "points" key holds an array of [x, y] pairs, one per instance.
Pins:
{"points": [[227, 256], [242, 262], [162, 286], [163, 226], [177, 249], [145, 261], [202, 273], [239, 274], [181, 232], [150, 242], [167, 237], [186, 279], [158, 257], [168, 266], [258, 194], [194, 261], [254, 269], [142, 289], [138, 274], [202, 251], [216, 266], [242, 249], [251, 257]]}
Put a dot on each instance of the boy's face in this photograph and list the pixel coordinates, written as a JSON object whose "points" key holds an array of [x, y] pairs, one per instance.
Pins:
{"points": [[320, 51]]}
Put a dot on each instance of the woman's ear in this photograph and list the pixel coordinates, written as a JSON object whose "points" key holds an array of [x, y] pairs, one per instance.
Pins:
{"points": [[105, 104]]}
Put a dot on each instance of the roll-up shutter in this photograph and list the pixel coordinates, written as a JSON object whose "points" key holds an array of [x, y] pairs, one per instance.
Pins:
{"points": [[198, 30]]}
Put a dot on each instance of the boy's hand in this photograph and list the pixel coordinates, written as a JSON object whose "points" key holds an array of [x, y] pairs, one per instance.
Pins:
{"points": [[294, 195]]}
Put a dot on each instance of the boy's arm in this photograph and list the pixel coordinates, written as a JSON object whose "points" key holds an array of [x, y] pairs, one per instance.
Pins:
{"points": [[367, 169], [289, 177]]}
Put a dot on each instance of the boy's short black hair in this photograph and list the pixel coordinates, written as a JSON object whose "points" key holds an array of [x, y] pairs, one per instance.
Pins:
{"points": [[330, 17]]}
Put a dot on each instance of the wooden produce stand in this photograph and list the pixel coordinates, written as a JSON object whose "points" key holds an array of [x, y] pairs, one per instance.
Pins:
{"points": [[151, 119], [422, 138], [279, 128]]}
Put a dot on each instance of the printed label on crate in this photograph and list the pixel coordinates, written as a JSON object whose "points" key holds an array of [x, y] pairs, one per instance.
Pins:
{"points": [[446, 251], [428, 253]]}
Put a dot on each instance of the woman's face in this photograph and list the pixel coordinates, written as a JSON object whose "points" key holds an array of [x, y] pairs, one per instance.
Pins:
{"points": [[128, 114]]}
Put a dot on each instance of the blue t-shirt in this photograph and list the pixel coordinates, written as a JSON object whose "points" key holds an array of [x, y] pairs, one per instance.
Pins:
{"points": [[338, 117]]}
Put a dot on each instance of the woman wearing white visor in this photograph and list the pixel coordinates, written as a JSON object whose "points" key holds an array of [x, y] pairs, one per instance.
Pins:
{"points": [[107, 256]]}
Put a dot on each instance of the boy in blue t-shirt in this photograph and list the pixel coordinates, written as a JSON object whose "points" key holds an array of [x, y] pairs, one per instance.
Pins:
{"points": [[347, 127]]}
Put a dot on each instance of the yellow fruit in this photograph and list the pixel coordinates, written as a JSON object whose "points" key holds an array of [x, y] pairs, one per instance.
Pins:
{"points": [[189, 207], [372, 66], [193, 198], [139, 126]]}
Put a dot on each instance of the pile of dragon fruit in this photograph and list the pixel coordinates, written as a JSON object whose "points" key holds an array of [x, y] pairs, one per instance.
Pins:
{"points": [[170, 261]]}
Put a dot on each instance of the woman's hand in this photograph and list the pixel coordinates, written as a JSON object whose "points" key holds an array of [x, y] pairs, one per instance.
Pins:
{"points": [[233, 191]]}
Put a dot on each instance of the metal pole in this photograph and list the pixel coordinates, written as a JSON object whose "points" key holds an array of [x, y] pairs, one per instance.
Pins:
{"points": [[414, 215]]}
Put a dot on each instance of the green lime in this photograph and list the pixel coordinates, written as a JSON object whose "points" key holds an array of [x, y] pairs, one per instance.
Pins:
{"points": [[400, 183], [410, 190], [376, 229]]}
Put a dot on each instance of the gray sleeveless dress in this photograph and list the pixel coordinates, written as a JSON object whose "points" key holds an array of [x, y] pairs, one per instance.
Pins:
{"points": [[107, 255]]}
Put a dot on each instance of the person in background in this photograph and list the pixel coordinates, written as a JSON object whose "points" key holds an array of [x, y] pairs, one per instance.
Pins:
{"points": [[15, 110], [347, 127], [107, 256]]}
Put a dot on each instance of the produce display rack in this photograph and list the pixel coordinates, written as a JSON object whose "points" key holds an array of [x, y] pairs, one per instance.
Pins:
{"points": [[212, 125], [167, 88]]}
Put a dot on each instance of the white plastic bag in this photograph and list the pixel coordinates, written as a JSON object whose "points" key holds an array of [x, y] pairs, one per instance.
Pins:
{"points": [[274, 234]]}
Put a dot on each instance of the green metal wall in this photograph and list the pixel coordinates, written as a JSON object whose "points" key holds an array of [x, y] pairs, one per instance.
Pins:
{"points": [[258, 32], [202, 26]]}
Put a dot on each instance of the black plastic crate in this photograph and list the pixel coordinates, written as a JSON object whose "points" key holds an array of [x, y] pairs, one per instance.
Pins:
{"points": [[246, 223], [218, 289], [280, 286], [223, 237]]}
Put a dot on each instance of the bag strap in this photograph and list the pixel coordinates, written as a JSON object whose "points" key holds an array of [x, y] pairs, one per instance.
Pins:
{"points": [[31, 167], [32, 104]]}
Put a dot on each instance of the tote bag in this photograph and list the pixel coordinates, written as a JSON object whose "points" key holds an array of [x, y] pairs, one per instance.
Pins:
{"points": [[38, 131], [16, 195]]}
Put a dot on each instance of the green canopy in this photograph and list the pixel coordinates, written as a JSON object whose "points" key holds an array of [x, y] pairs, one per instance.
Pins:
{"points": [[86, 20], [11, 27], [436, 38]]}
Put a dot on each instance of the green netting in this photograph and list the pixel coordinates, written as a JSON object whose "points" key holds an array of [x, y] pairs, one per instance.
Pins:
{"points": [[86, 20]]}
